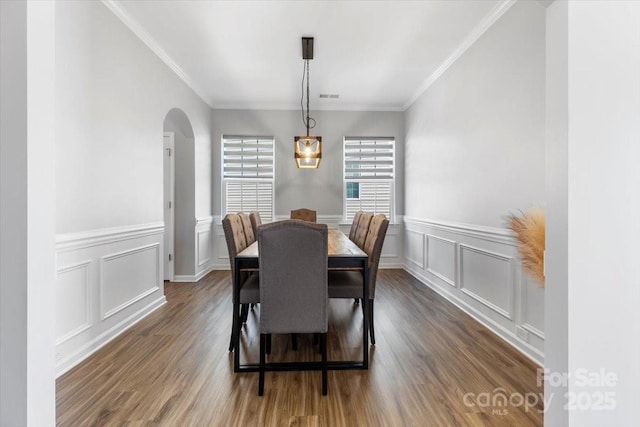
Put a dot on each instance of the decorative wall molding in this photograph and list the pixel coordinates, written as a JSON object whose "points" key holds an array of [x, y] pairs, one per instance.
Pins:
{"points": [[204, 220], [507, 312], [106, 312], [87, 323], [102, 236], [492, 234], [442, 275], [473, 36], [488, 287], [204, 257], [121, 282], [418, 261]]}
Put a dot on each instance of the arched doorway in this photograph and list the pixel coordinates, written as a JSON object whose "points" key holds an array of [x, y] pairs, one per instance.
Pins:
{"points": [[179, 195]]}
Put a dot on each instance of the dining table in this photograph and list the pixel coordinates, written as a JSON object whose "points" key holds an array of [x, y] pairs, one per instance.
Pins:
{"points": [[343, 254]]}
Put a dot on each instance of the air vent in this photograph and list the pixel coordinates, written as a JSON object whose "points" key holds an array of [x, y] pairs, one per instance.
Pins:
{"points": [[329, 95]]}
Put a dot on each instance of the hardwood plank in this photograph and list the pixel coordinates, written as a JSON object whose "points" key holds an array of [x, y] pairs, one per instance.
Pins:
{"points": [[173, 368]]}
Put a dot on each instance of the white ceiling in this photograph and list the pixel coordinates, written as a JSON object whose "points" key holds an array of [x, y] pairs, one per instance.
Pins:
{"points": [[377, 55]]}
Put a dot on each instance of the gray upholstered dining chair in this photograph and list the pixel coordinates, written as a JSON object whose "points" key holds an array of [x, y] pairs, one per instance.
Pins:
{"points": [[234, 234], [304, 215], [362, 229], [293, 284], [348, 284], [256, 221], [354, 226]]}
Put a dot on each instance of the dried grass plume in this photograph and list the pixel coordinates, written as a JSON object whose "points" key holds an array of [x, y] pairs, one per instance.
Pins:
{"points": [[528, 228]]}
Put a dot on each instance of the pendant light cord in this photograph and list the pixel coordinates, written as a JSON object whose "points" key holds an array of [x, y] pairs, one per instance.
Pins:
{"points": [[306, 120]]}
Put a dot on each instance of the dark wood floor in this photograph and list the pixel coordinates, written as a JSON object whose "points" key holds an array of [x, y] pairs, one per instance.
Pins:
{"points": [[431, 364]]}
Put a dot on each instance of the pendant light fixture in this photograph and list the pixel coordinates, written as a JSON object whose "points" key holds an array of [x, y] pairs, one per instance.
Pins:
{"points": [[307, 150]]}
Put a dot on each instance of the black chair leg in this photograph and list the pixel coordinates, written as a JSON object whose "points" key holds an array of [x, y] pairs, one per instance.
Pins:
{"points": [[268, 343], [244, 313], [262, 361], [371, 331], [231, 343], [294, 341], [323, 346]]}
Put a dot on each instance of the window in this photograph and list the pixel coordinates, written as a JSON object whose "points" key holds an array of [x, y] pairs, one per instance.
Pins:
{"points": [[353, 190], [369, 174], [247, 175]]}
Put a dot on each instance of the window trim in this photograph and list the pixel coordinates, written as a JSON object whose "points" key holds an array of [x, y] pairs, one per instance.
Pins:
{"points": [[391, 181], [223, 180]]}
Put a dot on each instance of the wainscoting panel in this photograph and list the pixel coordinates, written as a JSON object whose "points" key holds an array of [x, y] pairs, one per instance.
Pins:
{"points": [[532, 311], [477, 268], [72, 285], [487, 277], [127, 277], [441, 259], [414, 250], [107, 280], [204, 246]]}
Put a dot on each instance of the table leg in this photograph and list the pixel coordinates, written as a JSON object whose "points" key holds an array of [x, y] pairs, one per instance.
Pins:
{"points": [[236, 318], [365, 317]]}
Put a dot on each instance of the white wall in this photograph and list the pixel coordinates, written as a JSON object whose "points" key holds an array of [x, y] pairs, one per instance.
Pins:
{"points": [[319, 189], [556, 253], [27, 199], [112, 96], [475, 140], [474, 153], [603, 205]]}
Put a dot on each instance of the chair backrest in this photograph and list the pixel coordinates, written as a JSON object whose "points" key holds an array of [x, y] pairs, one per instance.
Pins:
{"points": [[354, 225], [235, 237], [293, 277], [246, 226], [362, 229], [373, 248], [304, 214], [256, 221]]}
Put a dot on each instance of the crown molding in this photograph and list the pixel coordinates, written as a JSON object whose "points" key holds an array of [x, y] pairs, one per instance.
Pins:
{"points": [[152, 44], [288, 107], [473, 36]]}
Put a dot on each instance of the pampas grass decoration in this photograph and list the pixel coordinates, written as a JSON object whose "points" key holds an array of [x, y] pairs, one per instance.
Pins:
{"points": [[529, 233]]}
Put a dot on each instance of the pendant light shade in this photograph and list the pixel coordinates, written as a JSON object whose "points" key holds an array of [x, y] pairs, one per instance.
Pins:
{"points": [[307, 150]]}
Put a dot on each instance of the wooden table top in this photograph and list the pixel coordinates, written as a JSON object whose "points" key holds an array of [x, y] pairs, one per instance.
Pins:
{"points": [[339, 245]]}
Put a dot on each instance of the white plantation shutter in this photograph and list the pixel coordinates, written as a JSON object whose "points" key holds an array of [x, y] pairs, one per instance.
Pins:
{"points": [[247, 168], [370, 162]]}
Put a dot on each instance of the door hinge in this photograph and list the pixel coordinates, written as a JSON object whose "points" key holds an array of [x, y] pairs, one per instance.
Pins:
{"points": [[169, 151], [169, 257], [169, 205]]}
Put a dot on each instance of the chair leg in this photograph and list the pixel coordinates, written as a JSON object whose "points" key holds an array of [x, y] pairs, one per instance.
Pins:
{"points": [[356, 301], [371, 331], [235, 319], [323, 346], [294, 341], [263, 340], [244, 313], [268, 343]]}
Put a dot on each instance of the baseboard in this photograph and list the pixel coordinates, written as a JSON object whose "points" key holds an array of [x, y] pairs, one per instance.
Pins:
{"points": [[530, 352], [184, 278]]}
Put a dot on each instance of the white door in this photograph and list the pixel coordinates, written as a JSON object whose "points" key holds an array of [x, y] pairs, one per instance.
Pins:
{"points": [[169, 208]]}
